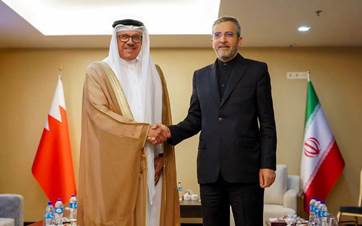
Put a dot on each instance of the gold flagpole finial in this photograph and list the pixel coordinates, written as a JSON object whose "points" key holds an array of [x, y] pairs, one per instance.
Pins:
{"points": [[60, 70], [308, 75]]}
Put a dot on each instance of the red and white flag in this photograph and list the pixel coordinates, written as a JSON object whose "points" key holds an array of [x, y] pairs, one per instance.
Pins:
{"points": [[322, 163], [53, 163]]}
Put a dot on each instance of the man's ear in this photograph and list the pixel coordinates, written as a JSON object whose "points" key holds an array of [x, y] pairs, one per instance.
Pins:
{"points": [[240, 41]]}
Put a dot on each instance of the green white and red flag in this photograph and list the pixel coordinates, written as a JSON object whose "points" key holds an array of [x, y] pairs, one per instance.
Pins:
{"points": [[322, 163]]}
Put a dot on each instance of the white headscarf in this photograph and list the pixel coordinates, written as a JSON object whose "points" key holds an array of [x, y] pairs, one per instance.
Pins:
{"points": [[143, 89]]}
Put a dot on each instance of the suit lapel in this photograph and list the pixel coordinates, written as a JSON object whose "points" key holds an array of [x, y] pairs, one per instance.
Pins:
{"points": [[214, 84], [234, 79]]}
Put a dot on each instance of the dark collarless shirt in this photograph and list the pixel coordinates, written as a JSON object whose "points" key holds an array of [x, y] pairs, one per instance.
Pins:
{"points": [[223, 73]]}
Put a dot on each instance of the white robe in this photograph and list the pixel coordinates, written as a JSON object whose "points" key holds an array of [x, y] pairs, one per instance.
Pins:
{"points": [[135, 97]]}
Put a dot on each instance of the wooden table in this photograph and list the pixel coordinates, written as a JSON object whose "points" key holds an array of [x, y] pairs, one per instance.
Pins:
{"points": [[190, 212], [39, 223]]}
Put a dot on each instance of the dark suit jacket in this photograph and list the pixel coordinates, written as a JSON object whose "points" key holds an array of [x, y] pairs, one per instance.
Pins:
{"points": [[238, 135]]}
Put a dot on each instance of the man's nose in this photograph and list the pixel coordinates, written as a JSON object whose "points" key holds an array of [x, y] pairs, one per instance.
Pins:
{"points": [[222, 38], [130, 41]]}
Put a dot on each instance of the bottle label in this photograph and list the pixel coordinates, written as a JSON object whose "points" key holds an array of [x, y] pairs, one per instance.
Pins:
{"points": [[73, 205], [50, 216], [58, 210]]}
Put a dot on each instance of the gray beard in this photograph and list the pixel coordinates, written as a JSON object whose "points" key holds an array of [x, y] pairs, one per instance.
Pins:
{"points": [[227, 58]]}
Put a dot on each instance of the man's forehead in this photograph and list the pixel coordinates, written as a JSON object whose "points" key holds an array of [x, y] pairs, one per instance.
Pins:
{"points": [[227, 25]]}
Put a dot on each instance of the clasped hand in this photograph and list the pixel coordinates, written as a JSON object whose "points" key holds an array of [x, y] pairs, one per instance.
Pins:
{"points": [[158, 133]]}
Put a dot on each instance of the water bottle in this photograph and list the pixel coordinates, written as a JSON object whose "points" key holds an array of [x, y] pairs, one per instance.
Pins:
{"points": [[314, 209], [312, 203], [49, 214], [58, 212], [73, 206], [180, 191], [332, 221], [317, 210], [323, 215]]}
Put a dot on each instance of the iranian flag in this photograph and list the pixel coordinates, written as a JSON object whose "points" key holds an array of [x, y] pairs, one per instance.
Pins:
{"points": [[322, 162], [53, 164]]}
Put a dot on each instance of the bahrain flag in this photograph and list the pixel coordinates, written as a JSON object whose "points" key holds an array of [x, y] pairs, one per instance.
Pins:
{"points": [[53, 164]]}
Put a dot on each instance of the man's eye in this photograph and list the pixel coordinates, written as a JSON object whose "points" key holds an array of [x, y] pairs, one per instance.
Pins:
{"points": [[229, 34], [217, 34]]}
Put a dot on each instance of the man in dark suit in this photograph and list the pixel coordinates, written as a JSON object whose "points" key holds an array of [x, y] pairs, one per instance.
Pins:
{"points": [[231, 104]]}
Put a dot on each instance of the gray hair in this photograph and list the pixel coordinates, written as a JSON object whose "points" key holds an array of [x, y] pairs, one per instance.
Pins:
{"points": [[228, 19]]}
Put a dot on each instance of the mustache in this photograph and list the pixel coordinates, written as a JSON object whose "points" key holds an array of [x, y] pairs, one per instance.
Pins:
{"points": [[130, 45], [223, 46]]}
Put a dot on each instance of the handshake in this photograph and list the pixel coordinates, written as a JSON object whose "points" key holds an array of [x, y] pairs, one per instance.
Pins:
{"points": [[158, 133]]}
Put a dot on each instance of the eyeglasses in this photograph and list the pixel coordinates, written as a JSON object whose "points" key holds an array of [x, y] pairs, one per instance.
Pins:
{"points": [[218, 35], [125, 38]]}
